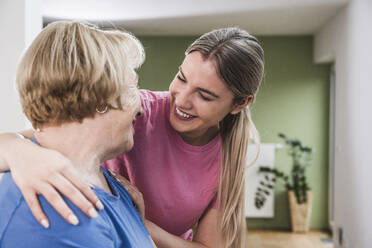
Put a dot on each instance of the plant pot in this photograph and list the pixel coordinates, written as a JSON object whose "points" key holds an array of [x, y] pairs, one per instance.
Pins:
{"points": [[300, 213]]}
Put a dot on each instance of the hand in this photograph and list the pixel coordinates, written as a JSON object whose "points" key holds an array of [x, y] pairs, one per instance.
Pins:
{"points": [[136, 195], [42, 171]]}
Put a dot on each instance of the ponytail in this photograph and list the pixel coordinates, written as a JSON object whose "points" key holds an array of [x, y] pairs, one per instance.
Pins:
{"points": [[236, 130]]}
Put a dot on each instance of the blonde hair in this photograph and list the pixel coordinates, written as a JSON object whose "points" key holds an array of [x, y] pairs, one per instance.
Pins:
{"points": [[239, 61], [71, 68]]}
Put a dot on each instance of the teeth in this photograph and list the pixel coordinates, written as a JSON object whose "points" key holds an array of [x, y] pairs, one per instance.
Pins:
{"points": [[182, 114]]}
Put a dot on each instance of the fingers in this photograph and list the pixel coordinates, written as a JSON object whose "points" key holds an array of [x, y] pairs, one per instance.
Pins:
{"points": [[34, 205], [120, 178], [135, 194], [57, 202], [68, 189], [85, 190], [76, 192], [54, 199], [137, 198], [54, 174]]}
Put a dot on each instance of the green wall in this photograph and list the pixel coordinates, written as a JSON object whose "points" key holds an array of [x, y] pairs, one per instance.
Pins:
{"points": [[293, 99]]}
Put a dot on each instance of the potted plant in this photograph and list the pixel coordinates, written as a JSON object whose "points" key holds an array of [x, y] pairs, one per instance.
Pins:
{"points": [[299, 192]]}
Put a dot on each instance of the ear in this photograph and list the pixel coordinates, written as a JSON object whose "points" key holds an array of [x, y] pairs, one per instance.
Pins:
{"points": [[242, 104]]}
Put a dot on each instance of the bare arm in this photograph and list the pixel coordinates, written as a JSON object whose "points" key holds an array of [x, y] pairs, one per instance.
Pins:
{"points": [[207, 234], [37, 170], [9, 143], [3, 165], [153, 243]]}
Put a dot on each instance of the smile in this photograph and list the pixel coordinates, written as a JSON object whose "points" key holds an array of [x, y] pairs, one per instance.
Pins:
{"points": [[184, 115]]}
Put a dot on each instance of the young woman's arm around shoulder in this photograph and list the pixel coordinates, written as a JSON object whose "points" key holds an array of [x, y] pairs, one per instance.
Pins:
{"points": [[8, 143], [206, 236], [37, 170]]}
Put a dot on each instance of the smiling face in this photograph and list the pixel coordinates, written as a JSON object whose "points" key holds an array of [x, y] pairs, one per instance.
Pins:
{"points": [[199, 99]]}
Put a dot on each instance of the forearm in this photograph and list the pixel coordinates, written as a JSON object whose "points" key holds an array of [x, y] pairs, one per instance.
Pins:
{"points": [[10, 145], [164, 239]]}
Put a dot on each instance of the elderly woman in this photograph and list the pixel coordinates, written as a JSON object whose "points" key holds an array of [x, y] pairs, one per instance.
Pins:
{"points": [[78, 88]]}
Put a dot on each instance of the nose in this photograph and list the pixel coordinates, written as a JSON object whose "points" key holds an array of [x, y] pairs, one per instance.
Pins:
{"points": [[182, 99]]}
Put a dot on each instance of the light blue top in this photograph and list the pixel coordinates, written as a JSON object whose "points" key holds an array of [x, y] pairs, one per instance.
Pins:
{"points": [[118, 225]]}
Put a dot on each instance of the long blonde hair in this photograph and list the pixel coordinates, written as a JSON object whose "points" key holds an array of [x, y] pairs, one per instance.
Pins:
{"points": [[239, 61]]}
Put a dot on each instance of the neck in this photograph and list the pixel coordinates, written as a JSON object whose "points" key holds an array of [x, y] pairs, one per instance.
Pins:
{"points": [[79, 146], [200, 138]]}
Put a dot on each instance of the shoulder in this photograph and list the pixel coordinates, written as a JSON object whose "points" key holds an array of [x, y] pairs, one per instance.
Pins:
{"points": [[151, 99], [10, 200], [153, 96], [22, 229]]}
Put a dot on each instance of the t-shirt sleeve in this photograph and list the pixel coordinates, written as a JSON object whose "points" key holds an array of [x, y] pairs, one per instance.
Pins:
{"points": [[152, 104]]}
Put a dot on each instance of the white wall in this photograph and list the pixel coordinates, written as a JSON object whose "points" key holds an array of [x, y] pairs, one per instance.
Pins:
{"points": [[20, 22], [347, 40]]}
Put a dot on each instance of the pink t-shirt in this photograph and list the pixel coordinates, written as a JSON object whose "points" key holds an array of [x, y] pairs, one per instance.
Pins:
{"points": [[178, 181]]}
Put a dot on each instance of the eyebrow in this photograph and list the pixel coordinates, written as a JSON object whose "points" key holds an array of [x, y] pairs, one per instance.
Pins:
{"points": [[200, 89]]}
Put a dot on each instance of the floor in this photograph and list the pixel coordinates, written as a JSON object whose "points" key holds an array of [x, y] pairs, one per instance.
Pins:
{"points": [[287, 239]]}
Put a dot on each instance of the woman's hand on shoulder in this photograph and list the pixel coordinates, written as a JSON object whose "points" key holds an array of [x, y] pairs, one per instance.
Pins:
{"points": [[133, 191], [37, 170]]}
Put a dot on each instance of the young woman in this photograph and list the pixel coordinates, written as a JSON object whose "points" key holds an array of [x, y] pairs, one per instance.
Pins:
{"points": [[188, 161]]}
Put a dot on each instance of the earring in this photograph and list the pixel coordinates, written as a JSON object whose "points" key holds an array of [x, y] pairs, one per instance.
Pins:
{"points": [[101, 111]]}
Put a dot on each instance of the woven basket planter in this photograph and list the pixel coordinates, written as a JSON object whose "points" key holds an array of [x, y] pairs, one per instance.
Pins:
{"points": [[300, 213]]}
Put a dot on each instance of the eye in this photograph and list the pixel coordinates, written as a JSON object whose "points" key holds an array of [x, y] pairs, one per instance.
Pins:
{"points": [[204, 97], [180, 78]]}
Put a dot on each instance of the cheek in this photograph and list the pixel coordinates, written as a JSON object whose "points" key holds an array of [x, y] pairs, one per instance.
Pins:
{"points": [[212, 112], [127, 126], [123, 125]]}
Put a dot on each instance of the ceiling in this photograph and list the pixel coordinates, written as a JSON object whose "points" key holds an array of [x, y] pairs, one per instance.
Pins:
{"points": [[194, 17]]}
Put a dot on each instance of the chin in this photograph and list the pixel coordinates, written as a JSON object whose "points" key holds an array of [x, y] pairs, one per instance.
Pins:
{"points": [[128, 146], [180, 127], [122, 148]]}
